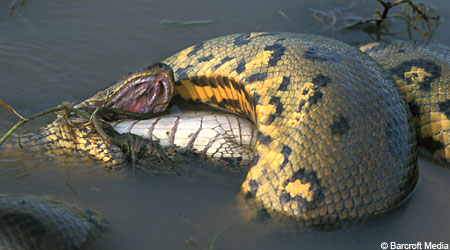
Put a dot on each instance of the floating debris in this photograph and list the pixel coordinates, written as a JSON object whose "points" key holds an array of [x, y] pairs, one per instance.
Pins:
{"points": [[179, 23]]}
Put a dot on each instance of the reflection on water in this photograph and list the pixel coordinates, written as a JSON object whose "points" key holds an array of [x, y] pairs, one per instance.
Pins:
{"points": [[66, 50]]}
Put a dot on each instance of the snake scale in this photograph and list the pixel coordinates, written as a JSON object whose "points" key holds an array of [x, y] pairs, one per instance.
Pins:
{"points": [[35, 223], [335, 136], [334, 142], [329, 133]]}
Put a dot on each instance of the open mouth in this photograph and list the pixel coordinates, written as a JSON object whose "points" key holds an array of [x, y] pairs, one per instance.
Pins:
{"points": [[144, 95], [145, 92]]}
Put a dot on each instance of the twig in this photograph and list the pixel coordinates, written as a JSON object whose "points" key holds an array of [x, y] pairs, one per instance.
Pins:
{"points": [[285, 16], [25, 120], [10, 109], [98, 128], [196, 227], [134, 145], [13, 5], [413, 14], [212, 240], [216, 236], [179, 23]]}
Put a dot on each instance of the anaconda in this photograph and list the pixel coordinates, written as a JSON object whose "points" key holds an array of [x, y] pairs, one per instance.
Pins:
{"points": [[335, 138], [28, 222], [335, 141]]}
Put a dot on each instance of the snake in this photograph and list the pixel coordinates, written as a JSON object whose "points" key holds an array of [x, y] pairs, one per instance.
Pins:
{"points": [[38, 223], [328, 132]]}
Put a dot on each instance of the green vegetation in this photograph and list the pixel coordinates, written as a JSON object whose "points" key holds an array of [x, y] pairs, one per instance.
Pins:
{"points": [[144, 154]]}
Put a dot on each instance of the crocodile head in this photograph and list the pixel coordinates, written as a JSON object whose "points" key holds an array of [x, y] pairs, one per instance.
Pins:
{"points": [[147, 91]]}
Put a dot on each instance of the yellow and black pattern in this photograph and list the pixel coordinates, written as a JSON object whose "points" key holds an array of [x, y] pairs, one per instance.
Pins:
{"points": [[65, 137], [422, 71], [335, 141]]}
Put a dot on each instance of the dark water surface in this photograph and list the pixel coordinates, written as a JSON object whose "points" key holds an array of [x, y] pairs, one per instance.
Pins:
{"points": [[53, 51]]}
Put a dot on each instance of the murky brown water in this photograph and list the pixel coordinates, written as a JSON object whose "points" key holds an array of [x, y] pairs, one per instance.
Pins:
{"points": [[53, 51]]}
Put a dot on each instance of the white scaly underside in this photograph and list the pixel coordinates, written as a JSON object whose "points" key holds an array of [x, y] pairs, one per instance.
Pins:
{"points": [[213, 134]]}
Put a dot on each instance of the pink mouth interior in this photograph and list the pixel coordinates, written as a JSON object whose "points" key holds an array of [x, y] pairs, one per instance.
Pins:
{"points": [[144, 95], [137, 105]]}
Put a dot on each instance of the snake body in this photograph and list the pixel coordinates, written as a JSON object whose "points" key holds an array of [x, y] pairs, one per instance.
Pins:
{"points": [[422, 71], [34, 223], [335, 141], [328, 135]]}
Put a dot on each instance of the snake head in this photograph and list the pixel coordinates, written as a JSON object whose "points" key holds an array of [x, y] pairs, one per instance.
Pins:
{"points": [[147, 91]]}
